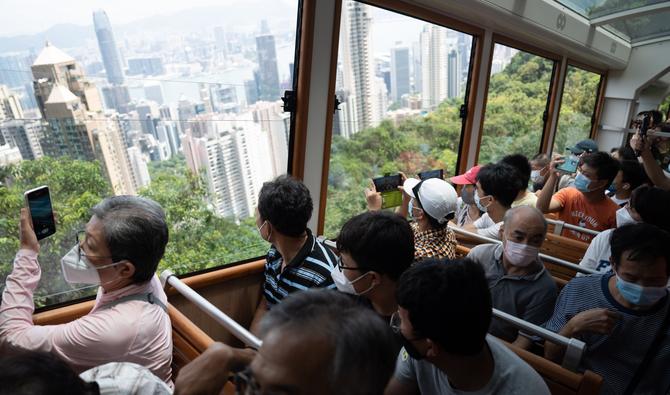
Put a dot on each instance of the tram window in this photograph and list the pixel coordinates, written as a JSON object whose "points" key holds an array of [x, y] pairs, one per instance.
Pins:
{"points": [[578, 104], [400, 84], [184, 110], [518, 92]]}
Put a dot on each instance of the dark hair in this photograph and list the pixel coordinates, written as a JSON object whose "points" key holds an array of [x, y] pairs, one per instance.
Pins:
{"points": [[606, 167], [541, 159], [522, 165], [655, 116], [135, 229], [645, 242], [449, 302], [633, 173], [625, 153], [41, 373], [501, 181], [285, 203], [652, 204], [378, 241], [362, 344]]}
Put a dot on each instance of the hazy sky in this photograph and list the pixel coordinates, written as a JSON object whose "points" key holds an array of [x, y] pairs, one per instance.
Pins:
{"points": [[33, 16]]}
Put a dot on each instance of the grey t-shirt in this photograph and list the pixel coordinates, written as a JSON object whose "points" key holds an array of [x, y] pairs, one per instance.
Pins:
{"points": [[530, 297], [511, 375]]}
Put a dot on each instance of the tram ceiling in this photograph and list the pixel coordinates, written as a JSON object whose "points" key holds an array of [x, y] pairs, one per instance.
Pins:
{"points": [[635, 21]]}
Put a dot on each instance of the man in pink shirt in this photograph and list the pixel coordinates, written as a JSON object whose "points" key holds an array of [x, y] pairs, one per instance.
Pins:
{"points": [[119, 250]]}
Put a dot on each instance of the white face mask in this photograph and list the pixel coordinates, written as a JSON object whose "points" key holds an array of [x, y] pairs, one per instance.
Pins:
{"points": [[344, 285], [78, 270], [518, 254], [623, 217]]}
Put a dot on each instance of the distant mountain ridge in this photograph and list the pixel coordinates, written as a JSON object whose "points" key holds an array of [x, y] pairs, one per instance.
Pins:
{"points": [[245, 14]]}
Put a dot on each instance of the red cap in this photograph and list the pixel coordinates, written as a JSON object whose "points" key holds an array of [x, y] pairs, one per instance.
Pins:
{"points": [[470, 177]]}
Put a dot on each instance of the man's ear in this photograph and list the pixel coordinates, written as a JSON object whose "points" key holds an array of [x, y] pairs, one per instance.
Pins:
{"points": [[126, 269], [376, 278], [434, 349], [501, 231]]}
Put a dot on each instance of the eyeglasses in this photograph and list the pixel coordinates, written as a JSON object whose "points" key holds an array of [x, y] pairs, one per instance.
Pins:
{"points": [[246, 384], [81, 236], [342, 267]]}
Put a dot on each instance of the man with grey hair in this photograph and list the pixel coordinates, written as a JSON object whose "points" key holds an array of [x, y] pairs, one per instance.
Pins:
{"points": [[119, 251], [314, 342], [519, 283]]}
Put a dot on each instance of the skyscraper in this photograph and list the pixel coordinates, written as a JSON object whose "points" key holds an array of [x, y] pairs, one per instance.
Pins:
{"points": [[113, 155], [268, 74], [233, 158], [108, 48], [275, 124], [399, 72], [25, 135], [453, 74], [358, 66], [433, 66]]}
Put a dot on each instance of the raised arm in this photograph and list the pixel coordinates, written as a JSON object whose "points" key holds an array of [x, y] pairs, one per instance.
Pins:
{"points": [[545, 203], [651, 167]]}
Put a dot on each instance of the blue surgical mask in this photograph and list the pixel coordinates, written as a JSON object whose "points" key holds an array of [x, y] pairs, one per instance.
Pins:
{"points": [[639, 295], [582, 183], [467, 195], [479, 203]]}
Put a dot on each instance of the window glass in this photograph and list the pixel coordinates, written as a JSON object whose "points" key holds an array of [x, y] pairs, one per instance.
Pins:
{"points": [[518, 93], [181, 106], [580, 95], [400, 84]]}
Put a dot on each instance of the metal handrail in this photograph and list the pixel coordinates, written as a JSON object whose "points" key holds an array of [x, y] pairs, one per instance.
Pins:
{"points": [[168, 277], [559, 225], [574, 349], [544, 257]]}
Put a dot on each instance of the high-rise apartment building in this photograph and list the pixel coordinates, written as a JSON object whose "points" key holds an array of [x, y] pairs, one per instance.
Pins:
{"points": [[400, 72], [54, 67], [24, 135], [10, 104], [433, 66], [108, 49], [268, 74], [358, 76], [112, 153], [453, 74], [275, 124], [233, 158]]}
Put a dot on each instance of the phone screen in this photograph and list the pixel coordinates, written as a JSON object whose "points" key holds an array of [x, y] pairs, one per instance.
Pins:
{"points": [[39, 204], [570, 164], [424, 175], [388, 187]]}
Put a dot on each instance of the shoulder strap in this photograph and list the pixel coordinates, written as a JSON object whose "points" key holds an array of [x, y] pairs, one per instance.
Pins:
{"points": [[148, 297], [651, 352]]}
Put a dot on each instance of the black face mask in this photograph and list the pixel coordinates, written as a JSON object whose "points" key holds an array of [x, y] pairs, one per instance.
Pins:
{"points": [[409, 347]]}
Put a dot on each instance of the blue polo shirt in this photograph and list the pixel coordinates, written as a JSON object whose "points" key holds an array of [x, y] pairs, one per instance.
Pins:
{"points": [[310, 268]]}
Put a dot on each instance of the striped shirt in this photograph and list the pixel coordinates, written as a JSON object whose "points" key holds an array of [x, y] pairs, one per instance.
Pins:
{"points": [[310, 268], [616, 356]]}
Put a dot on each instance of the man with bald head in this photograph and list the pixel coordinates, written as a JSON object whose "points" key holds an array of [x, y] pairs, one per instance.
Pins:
{"points": [[519, 283]]}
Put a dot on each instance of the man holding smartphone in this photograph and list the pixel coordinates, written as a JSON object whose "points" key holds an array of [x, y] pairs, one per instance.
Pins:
{"points": [[119, 250]]}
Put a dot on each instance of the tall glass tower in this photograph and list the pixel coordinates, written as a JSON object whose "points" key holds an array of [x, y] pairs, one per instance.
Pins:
{"points": [[108, 49]]}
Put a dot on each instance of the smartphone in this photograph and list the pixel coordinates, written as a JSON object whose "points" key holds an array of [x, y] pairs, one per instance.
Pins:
{"points": [[424, 175], [388, 187], [38, 201], [570, 165]]}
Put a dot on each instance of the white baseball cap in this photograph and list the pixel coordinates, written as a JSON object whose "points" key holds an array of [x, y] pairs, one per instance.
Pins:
{"points": [[436, 196]]}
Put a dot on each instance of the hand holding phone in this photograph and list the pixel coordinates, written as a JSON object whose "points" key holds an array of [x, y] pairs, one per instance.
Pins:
{"points": [[424, 175], [388, 187], [569, 165], [38, 201]]}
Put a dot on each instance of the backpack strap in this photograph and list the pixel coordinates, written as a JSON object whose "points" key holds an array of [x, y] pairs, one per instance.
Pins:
{"points": [[148, 297]]}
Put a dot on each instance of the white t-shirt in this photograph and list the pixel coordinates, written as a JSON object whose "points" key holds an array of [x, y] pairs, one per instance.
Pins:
{"points": [[511, 375], [597, 256], [486, 227]]}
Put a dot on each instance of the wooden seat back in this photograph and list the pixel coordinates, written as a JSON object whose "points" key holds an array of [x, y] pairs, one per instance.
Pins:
{"points": [[560, 380]]}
